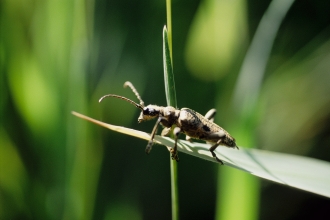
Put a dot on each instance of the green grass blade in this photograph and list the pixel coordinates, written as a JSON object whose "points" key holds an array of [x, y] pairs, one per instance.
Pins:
{"points": [[254, 65], [300, 172], [168, 71]]}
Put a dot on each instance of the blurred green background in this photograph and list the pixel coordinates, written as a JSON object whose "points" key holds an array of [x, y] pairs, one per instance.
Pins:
{"points": [[59, 56]]}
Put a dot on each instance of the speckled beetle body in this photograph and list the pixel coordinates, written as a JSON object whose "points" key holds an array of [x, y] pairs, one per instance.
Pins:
{"points": [[185, 120]]}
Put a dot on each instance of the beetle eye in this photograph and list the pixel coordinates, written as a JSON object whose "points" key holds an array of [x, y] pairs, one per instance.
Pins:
{"points": [[149, 111]]}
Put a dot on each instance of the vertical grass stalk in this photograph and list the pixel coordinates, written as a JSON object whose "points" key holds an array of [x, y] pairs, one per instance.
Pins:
{"points": [[169, 25], [171, 101]]}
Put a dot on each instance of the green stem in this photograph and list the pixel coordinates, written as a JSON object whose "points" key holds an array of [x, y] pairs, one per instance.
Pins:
{"points": [[169, 25], [171, 101], [174, 190]]}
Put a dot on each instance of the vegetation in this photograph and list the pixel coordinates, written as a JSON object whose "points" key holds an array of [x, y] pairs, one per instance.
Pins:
{"points": [[59, 56]]}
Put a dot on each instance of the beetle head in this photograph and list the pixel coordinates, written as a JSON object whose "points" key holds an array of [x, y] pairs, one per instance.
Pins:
{"points": [[149, 112]]}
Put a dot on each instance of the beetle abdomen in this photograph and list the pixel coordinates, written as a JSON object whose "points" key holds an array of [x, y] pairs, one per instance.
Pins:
{"points": [[197, 126]]}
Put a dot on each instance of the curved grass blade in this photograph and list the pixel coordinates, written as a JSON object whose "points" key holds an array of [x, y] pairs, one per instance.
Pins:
{"points": [[300, 172]]}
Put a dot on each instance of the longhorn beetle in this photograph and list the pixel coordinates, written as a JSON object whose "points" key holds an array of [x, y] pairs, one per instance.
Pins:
{"points": [[185, 120]]}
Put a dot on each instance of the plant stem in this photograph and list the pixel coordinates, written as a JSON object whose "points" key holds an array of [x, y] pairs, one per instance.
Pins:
{"points": [[171, 101], [169, 25]]}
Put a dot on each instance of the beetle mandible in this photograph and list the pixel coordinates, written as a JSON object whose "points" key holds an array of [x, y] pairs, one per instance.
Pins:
{"points": [[185, 120]]}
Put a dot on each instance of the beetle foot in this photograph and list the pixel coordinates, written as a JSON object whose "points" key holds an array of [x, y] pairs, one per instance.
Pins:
{"points": [[174, 155], [148, 148], [216, 158]]}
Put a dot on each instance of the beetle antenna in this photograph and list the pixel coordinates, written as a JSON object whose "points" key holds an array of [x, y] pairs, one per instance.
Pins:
{"points": [[123, 98], [129, 84]]}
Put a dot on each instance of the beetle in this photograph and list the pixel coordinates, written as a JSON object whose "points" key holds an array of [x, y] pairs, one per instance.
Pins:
{"points": [[185, 120]]}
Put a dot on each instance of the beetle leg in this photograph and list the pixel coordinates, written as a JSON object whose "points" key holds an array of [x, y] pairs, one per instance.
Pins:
{"points": [[217, 135], [188, 138], [174, 150], [154, 130], [166, 131], [210, 114], [212, 149]]}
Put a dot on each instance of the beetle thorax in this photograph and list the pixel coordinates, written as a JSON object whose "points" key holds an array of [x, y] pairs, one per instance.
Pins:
{"points": [[168, 114]]}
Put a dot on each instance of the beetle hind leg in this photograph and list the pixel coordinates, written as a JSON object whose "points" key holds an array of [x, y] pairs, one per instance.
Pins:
{"points": [[212, 149]]}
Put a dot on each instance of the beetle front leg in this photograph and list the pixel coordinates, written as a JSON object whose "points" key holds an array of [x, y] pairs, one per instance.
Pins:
{"points": [[212, 149], [154, 130]]}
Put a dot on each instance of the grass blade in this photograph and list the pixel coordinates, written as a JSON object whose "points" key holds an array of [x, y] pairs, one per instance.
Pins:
{"points": [[300, 172], [168, 71]]}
